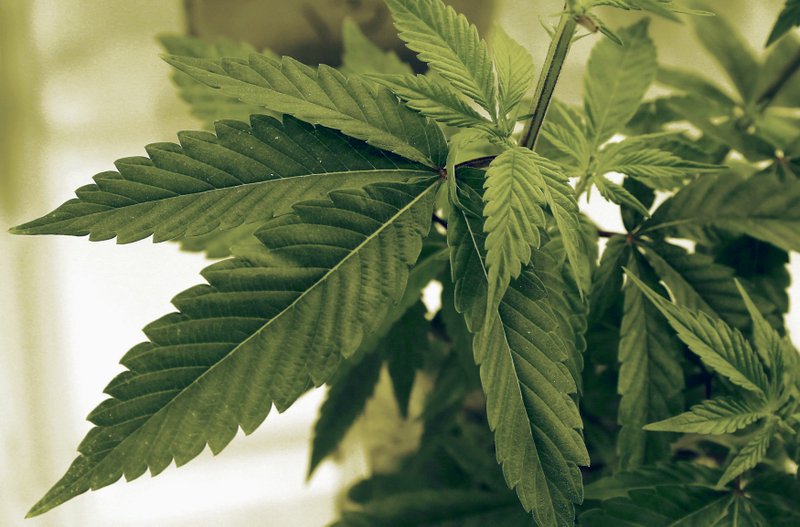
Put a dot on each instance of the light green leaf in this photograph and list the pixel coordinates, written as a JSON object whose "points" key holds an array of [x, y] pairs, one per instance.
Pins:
{"points": [[434, 99], [723, 415], [405, 347], [512, 207], [269, 325], [523, 365], [619, 195], [650, 376], [243, 175], [514, 72], [450, 45], [788, 18], [206, 104], [616, 80], [720, 348], [765, 207], [665, 8], [693, 82], [751, 454], [323, 96], [654, 167], [560, 198], [361, 56], [564, 131], [768, 342]]}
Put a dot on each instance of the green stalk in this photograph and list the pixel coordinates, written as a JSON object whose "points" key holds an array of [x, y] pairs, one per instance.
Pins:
{"points": [[551, 69]]}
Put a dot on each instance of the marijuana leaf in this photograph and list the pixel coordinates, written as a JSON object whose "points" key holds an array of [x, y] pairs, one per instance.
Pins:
{"points": [[361, 56], [434, 99], [514, 72], [765, 208], [450, 45], [752, 453], [721, 348], [723, 415], [242, 175], [323, 96], [523, 363], [268, 325], [787, 19], [513, 209], [616, 80], [650, 376]]}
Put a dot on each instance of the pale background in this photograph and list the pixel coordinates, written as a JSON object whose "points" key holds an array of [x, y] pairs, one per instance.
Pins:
{"points": [[80, 86]]}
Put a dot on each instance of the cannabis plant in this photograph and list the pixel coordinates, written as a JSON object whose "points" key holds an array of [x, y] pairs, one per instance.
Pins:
{"points": [[650, 383]]}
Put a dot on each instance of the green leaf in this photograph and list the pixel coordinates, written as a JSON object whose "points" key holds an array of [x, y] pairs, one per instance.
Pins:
{"points": [[243, 175], [692, 82], [654, 167], [607, 279], [723, 415], [514, 71], [776, 496], [344, 403], [405, 348], [648, 477], [206, 104], [434, 99], [731, 51], [765, 208], [323, 96], [650, 374], [768, 342], [616, 80], [751, 454], [619, 195], [721, 348], [788, 18], [663, 506], [696, 282], [361, 56], [513, 203], [564, 139], [438, 508], [524, 373], [665, 8], [450, 45], [268, 325], [219, 244]]}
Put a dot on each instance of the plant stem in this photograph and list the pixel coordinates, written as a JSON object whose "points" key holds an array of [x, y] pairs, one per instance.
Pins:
{"points": [[551, 69]]}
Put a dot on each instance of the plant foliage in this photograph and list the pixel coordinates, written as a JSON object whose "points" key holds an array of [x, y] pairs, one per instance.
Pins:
{"points": [[644, 384]]}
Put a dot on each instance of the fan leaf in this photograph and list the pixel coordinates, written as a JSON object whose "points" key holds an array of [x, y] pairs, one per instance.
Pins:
{"points": [[353, 105], [269, 324], [242, 175]]}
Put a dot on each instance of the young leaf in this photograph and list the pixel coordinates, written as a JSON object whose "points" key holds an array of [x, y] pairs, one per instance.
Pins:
{"points": [[720, 348], [514, 71], [323, 96], [361, 56], [243, 175], [655, 168], [563, 139], [434, 99], [723, 415], [787, 19], [768, 342], [650, 374], [206, 104], [268, 325], [616, 80], [514, 216], [524, 373], [751, 454], [450, 45], [619, 195], [648, 477], [763, 207], [344, 403]]}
